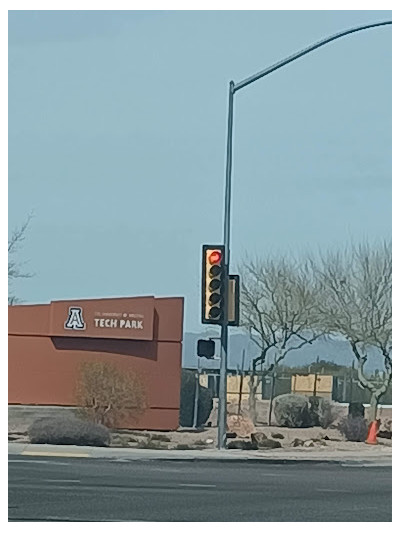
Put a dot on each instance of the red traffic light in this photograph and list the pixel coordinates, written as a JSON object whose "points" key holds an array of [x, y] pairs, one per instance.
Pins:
{"points": [[215, 257]]}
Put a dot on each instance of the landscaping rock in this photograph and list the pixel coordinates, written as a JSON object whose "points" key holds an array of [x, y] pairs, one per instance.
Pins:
{"points": [[258, 437], [209, 441], [161, 438], [262, 441], [297, 442], [277, 436], [242, 445], [309, 444]]}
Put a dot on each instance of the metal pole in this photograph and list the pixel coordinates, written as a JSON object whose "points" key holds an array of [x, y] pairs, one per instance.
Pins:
{"points": [[272, 394], [227, 231], [196, 396], [241, 384], [307, 50]]}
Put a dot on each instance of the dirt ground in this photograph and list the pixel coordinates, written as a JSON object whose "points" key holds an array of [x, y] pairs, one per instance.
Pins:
{"points": [[206, 438]]}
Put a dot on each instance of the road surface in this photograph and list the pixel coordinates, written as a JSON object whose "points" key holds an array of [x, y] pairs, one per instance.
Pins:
{"points": [[71, 489]]}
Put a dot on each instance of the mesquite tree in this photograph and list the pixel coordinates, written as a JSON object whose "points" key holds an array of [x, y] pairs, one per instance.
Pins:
{"points": [[278, 308], [356, 303], [16, 268]]}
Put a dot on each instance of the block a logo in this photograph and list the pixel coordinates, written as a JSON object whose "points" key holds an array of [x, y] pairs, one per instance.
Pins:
{"points": [[75, 319]]}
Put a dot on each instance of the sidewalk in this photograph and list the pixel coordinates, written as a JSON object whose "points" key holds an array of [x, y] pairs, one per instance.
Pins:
{"points": [[372, 455]]}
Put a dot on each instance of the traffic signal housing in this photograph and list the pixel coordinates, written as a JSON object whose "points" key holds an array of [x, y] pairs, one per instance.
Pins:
{"points": [[206, 348], [233, 300], [212, 301]]}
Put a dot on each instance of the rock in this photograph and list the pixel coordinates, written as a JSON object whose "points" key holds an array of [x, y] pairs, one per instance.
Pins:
{"points": [[298, 442], [209, 441], [277, 436], [241, 445], [241, 425], [258, 437], [262, 441], [231, 435], [326, 437], [17, 438], [309, 444], [384, 434]]}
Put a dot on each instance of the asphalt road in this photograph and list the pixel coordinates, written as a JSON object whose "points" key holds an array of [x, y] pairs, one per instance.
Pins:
{"points": [[66, 489]]}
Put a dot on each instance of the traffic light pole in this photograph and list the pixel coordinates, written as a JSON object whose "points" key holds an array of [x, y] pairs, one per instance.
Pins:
{"points": [[222, 411], [227, 236]]}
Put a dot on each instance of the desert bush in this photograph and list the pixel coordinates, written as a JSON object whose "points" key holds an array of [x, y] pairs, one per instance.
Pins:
{"points": [[292, 410], [354, 428], [108, 395], [356, 409], [57, 430], [188, 384], [322, 412]]}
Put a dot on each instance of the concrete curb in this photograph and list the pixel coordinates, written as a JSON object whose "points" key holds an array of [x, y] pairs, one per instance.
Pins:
{"points": [[277, 457]]}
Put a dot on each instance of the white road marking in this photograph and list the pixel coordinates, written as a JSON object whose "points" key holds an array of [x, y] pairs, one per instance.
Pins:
{"points": [[55, 454], [36, 462], [195, 485]]}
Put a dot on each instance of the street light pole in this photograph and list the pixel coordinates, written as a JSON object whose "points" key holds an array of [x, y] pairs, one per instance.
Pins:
{"points": [[233, 88], [227, 236]]}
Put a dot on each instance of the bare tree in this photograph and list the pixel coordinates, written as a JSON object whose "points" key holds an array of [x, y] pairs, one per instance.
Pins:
{"points": [[356, 303], [278, 310], [15, 266]]}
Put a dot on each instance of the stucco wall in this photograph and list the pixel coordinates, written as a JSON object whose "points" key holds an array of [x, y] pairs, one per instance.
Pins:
{"points": [[43, 369]]}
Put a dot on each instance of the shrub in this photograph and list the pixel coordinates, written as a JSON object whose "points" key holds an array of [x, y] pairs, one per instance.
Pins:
{"points": [[356, 409], [108, 395], [57, 430], [322, 412], [354, 428], [292, 410], [188, 384]]}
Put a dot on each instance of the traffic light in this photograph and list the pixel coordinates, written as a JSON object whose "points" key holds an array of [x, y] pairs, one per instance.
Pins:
{"points": [[212, 301]]}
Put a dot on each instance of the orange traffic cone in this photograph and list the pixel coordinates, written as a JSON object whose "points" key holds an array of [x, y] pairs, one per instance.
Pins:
{"points": [[372, 432]]}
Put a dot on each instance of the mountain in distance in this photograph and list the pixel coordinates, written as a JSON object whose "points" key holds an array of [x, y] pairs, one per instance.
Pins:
{"points": [[334, 350]]}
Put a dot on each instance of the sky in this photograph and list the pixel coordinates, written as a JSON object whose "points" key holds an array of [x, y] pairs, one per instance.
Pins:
{"points": [[117, 139]]}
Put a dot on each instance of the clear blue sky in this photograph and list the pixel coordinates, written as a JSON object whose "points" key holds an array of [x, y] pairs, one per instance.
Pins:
{"points": [[117, 125]]}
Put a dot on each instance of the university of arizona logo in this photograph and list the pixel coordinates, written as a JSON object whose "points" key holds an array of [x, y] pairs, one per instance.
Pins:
{"points": [[75, 319]]}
